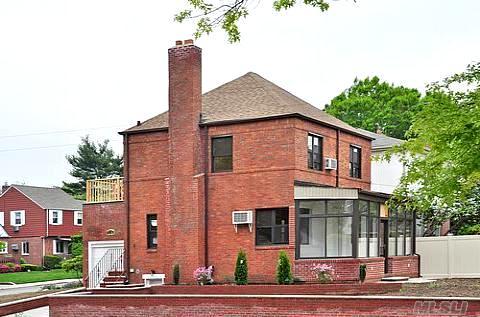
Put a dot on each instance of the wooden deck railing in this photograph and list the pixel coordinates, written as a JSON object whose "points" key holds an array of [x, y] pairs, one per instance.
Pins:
{"points": [[105, 190]]}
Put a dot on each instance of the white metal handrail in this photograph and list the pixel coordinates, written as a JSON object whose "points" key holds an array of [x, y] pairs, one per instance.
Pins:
{"points": [[112, 261]]}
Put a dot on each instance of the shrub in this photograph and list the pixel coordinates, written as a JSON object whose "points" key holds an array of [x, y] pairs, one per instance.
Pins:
{"points": [[323, 272], [17, 268], [30, 267], [284, 271], [469, 230], [77, 245], [241, 269], [11, 265], [362, 272], [176, 274], [74, 264], [51, 262], [203, 275], [22, 261], [4, 268]]}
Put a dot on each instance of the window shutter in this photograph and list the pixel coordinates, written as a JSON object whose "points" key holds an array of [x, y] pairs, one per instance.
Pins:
{"points": [[22, 217], [60, 217], [50, 217], [2, 219], [12, 218]]}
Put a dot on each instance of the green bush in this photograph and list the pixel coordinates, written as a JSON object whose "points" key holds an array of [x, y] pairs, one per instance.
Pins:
{"points": [[74, 264], [241, 269], [469, 230], [362, 272], [22, 261], [30, 267], [77, 245], [52, 262], [284, 271], [176, 274], [10, 265]]}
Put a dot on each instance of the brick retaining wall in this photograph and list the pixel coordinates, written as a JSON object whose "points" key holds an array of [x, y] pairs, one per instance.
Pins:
{"points": [[273, 305]]}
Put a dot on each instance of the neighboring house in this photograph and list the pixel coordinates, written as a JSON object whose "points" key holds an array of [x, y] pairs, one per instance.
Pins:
{"points": [[37, 221], [246, 166]]}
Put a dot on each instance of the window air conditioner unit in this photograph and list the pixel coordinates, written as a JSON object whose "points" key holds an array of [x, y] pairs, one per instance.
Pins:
{"points": [[244, 217], [16, 228], [15, 247], [330, 163]]}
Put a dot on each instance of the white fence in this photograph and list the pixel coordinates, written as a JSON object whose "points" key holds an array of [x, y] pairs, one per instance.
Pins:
{"points": [[449, 256]]}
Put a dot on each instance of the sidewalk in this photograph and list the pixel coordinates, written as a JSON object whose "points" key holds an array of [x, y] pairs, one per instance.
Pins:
{"points": [[31, 287]]}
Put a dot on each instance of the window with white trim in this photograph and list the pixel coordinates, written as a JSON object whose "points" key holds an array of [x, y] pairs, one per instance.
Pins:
{"points": [[17, 217], [2, 219], [78, 218], [3, 247], [25, 248], [55, 217], [59, 246]]}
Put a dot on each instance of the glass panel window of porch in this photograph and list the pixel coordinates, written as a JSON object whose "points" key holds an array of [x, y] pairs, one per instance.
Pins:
{"points": [[369, 213]]}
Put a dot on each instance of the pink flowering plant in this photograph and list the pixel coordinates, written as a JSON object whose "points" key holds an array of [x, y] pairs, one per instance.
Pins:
{"points": [[203, 275], [323, 272]]}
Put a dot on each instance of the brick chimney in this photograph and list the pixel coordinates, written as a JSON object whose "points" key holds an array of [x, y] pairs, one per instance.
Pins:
{"points": [[186, 201]]}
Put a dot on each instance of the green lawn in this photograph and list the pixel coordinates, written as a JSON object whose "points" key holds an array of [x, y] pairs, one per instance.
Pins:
{"points": [[36, 276]]}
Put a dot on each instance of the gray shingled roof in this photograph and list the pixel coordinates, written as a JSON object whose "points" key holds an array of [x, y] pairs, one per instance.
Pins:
{"points": [[50, 198], [249, 97], [381, 141]]}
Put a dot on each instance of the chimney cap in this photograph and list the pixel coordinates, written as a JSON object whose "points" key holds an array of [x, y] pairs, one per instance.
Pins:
{"points": [[178, 42], [188, 42]]}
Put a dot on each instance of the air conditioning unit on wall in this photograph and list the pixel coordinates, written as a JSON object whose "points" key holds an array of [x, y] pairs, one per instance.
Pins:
{"points": [[330, 163], [16, 228], [243, 217]]}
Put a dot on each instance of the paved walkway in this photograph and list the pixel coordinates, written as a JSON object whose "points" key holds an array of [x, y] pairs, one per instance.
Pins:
{"points": [[37, 312], [31, 287]]}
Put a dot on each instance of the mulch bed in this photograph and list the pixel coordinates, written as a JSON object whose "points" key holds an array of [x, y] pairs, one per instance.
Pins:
{"points": [[442, 287]]}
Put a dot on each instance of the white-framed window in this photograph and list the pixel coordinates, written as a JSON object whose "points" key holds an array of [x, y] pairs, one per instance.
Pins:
{"points": [[17, 217], [78, 218], [4, 249], [25, 248], [55, 217], [2, 219], [60, 247]]}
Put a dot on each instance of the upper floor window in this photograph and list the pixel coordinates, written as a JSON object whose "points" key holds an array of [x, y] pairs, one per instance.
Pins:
{"points": [[17, 218], [77, 218], [55, 217], [152, 226], [355, 161], [222, 154], [272, 226], [315, 149]]}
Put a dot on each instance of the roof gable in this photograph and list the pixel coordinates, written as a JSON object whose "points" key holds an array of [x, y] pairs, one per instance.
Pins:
{"points": [[250, 97], [49, 198]]}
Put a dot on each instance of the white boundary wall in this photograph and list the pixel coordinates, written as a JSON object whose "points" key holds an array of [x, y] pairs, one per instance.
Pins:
{"points": [[449, 256]]}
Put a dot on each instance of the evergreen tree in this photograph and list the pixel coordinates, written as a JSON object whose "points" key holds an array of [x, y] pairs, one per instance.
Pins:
{"points": [[284, 271], [241, 269], [92, 160]]}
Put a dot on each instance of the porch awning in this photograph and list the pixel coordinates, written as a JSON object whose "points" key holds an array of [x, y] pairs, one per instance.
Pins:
{"points": [[316, 192]]}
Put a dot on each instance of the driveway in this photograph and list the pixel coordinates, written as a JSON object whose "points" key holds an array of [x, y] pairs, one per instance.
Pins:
{"points": [[31, 287], [37, 312]]}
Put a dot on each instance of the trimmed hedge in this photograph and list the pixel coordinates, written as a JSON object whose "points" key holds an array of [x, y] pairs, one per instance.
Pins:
{"points": [[51, 262], [31, 267]]}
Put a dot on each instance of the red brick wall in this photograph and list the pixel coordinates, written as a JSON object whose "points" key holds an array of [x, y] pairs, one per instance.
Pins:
{"points": [[36, 250], [403, 266], [120, 305], [35, 217], [345, 270], [97, 220]]}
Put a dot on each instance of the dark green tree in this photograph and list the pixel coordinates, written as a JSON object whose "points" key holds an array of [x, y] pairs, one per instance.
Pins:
{"points": [[228, 13], [374, 105], [241, 269], [284, 269], [92, 160], [176, 274]]}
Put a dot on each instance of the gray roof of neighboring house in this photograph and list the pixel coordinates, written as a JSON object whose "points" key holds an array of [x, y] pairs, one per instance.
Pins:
{"points": [[381, 141], [250, 97], [50, 198]]}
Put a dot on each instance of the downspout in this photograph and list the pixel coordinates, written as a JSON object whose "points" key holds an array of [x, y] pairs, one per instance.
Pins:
{"points": [[414, 240], [206, 168], [126, 179], [337, 157]]}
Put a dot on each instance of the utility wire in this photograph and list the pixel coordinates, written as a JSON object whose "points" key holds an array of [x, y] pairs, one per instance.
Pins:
{"points": [[45, 147], [57, 132]]}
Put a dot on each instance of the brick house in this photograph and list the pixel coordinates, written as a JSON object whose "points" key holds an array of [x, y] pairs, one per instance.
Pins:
{"points": [[246, 166], [37, 221]]}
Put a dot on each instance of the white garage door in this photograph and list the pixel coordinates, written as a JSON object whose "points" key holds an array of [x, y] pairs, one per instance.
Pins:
{"points": [[97, 249]]}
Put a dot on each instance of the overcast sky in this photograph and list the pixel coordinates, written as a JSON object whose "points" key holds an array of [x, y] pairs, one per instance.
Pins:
{"points": [[71, 68]]}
